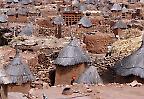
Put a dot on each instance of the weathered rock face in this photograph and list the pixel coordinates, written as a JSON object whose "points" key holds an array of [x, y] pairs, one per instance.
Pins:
{"points": [[97, 43], [127, 46], [105, 67]]}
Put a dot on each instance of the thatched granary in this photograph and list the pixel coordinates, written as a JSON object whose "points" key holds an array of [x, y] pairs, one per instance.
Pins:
{"points": [[71, 62], [11, 13], [125, 13], [82, 7], [90, 76], [116, 8], [16, 72], [132, 64], [58, 21], [124, 9], [3, 18], [118, 26], [27, 30], [85, 22], [22, 14]]}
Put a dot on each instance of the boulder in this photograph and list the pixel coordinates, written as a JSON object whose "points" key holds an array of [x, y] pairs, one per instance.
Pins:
{"points": [[97, 43]]}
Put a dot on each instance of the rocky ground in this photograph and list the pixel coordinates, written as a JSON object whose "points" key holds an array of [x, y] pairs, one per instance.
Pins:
{"points": [[109, 91]]}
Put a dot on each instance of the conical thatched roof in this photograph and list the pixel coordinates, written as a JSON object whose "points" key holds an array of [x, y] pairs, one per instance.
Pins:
{"points": [[132, 64], [67, 1], [11, 12], [116, 7], [71, 54], [119, 25], [18, 71], [28, 30], [67, 9], [82, 7], [58, 20], [91, 1], [12, 1], [26, 2], [75, 3], [22, 11], [132, 1], [90, 76], [3, 18], [85, 22], [124, 10], [4, 79]]}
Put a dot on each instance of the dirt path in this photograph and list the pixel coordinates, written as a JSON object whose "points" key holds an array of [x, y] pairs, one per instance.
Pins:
{"points": [[99, 92]]}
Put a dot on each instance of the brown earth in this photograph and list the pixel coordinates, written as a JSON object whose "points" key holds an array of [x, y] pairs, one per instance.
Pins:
{"points": [[111, 91], [97, 43]]}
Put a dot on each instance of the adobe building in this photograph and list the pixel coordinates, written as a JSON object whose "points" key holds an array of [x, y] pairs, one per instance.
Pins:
{"points": [[72, 18], [116, 10], [71, 62], [58, 21], [11, 15], [15, 76], [22, 14], [118, 27]]}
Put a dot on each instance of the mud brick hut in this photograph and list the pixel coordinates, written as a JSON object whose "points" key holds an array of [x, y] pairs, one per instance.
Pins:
{"points": [[132, 66], [116, 9], [58, 21], [11, 13], [71, 62], [22, 14], [15, 76], [125, 12], [118, 26]]}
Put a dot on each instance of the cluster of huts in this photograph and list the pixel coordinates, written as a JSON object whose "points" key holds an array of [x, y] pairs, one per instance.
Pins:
{"points": [[72, 63]]}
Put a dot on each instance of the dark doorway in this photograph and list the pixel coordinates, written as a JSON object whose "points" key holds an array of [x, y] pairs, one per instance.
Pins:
{"points": [[52, 75]]}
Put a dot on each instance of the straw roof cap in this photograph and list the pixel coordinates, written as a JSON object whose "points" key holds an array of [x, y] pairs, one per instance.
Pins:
{"points": [[90, 76], [71, 54], [116, 7], [85, 22]]}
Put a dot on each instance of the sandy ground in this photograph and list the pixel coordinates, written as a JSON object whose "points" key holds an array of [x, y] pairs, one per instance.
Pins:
{"points": [[98, 92]]}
